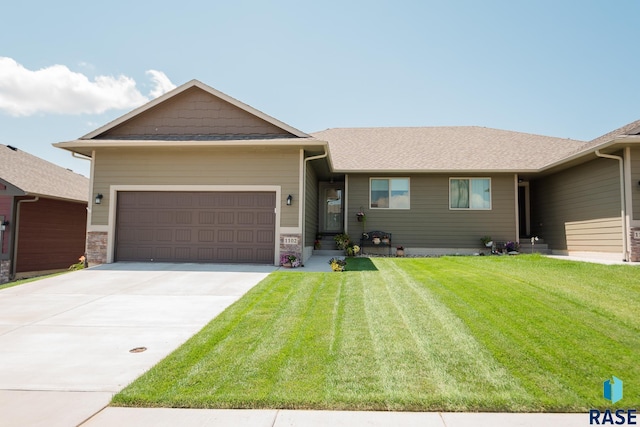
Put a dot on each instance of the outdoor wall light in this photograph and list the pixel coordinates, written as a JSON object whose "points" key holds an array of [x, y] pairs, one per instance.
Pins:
{"points": [[289, 199], [99, 199], [3, 225]]}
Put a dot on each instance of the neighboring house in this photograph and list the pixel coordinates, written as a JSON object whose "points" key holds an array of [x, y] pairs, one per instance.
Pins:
{"points": [[43, 212], [197, 176]]}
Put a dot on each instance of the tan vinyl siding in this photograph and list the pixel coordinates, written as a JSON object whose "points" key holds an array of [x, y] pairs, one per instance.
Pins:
{"points": [[197, 167], [311, 207], [429, 223], [579, 209], [635, 183], [194, 112]]}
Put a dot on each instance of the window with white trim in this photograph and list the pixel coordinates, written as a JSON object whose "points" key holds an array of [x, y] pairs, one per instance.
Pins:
{"points": [[470, 193], [389, 193]]}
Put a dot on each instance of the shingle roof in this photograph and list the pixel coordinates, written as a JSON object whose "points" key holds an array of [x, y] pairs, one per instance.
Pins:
{"points": [[632, 128], [37, 176], [462, 148]]}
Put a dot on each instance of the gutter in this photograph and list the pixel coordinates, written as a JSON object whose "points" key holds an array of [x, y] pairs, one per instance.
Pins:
{"points": [[303, 220], [623, 201], [16, 229]]}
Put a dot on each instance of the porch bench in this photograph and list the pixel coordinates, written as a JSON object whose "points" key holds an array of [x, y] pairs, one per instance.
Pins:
{"points": [[370, 238]]}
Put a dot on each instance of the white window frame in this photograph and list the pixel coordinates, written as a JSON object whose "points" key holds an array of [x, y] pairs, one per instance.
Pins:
{"points": [[469, 178], [389, 178]]}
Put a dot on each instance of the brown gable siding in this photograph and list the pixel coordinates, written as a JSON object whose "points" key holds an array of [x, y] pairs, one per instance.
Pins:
{"points": [[579, 209], [51, 235], [203, 166], [635, 183], [430, 223], [191, 114]]}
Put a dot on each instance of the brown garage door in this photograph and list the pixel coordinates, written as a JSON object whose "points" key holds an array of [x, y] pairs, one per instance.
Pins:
{"points": [[234, 227]]}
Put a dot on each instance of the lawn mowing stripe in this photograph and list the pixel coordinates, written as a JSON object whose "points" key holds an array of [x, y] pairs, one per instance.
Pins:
{"points": [[467, 370], [308, 350], [393, 347], [354, 376], [179, 371], [538, 323], [494, 311], [258, 366]]}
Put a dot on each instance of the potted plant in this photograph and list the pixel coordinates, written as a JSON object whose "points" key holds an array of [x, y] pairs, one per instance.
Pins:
{"points": [[337, 264], [375, 239], [289, 261], [352, 249], [342, 240], [361, 216], [400, 251], [512, 248], [487, 241]]}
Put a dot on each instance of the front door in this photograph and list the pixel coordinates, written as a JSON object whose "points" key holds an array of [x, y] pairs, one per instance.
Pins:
{"points": [[331, 208]]}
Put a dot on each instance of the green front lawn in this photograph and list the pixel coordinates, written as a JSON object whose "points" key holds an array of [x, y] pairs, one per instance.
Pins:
{"points": [[521, 333]]}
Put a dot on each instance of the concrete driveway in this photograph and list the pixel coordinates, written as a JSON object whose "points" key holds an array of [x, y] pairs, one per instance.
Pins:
{"points": [[65, 341]]}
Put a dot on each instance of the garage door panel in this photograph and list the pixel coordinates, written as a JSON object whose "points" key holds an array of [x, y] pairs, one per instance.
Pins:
{"points": [[196, 227], [206, 217], [182, 254], [265, 237]]}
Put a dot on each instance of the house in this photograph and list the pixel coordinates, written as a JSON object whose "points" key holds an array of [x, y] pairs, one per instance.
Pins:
{"points": [[198, 176], [43, 214]]}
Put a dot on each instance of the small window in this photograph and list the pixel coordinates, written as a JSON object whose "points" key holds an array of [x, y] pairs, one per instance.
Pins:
{"points": [[470, 193], [389, 193]]}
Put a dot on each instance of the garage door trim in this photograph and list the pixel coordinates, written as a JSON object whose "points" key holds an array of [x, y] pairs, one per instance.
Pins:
{"points": [[113, 202]]}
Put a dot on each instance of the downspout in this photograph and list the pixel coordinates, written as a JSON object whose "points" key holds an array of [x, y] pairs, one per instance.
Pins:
{"points": [[16, 229], [89, 198], [623, 202], [304, 191]]}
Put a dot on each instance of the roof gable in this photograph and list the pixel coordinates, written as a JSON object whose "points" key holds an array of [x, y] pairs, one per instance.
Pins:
{"points": [[36, 176], [195, 111]]}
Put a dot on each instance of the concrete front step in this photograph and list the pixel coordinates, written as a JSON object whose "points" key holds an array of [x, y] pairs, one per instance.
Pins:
{"points": [[538, 248]]}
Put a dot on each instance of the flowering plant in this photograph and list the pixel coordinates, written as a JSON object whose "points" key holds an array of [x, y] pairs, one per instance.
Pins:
{"points": [[290, 259], [79, 265], [512, 246], [337, 264], [342, 240], [352, 249]]}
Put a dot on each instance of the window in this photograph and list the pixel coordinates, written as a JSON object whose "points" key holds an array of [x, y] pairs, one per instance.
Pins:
{"points": [[470, 193], [389, 193]]}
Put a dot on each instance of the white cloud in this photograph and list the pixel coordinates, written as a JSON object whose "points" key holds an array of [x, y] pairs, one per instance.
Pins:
{"points": [[162, 83], [56, 89]]}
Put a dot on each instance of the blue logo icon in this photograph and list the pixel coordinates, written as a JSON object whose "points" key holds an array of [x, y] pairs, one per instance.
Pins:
{"points": [[613, 389]]}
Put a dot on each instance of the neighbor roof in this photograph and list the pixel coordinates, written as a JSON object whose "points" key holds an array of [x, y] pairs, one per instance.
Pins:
{"points": [[38, 177], [461, 148]]}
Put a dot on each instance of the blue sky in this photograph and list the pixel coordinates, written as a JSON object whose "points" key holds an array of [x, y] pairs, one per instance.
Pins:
{"points": [[560, 68]]}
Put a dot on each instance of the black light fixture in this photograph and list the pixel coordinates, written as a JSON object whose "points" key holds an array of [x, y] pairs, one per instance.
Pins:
{"points": [[99, 199], [289, 199]]}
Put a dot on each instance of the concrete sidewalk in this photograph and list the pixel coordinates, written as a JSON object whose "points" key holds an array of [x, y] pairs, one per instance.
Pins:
{"points": [[129, 417]]}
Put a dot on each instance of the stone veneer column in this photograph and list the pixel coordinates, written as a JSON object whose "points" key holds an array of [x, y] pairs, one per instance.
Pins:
{"points": [[634, 256], [291, 244], [96, 247], [5, 267]]}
